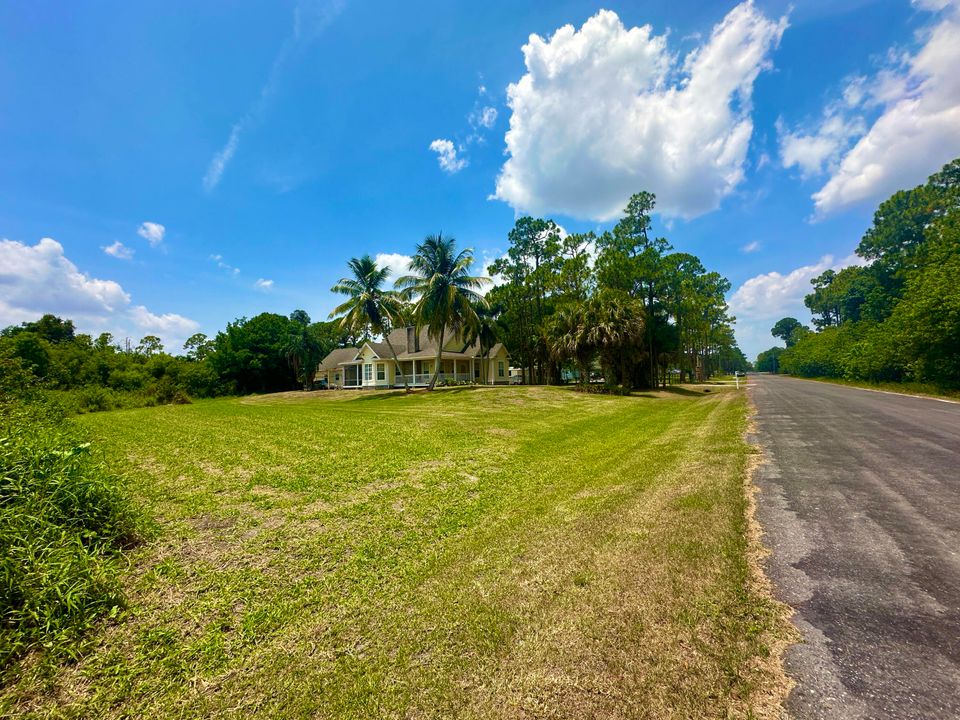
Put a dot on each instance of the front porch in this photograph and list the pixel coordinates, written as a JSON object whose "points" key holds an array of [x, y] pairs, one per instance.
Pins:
{"points": [[416, 373]]}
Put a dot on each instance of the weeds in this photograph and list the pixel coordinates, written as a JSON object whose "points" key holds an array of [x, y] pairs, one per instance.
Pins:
{"points": [[63, 521]]}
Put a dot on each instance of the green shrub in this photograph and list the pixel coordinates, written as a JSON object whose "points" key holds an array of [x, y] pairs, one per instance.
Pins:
{"points": [[64, 520]]}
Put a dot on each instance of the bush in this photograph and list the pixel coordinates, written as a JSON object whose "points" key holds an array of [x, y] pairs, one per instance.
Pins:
{"points": [[602, 389], [63, 521]]}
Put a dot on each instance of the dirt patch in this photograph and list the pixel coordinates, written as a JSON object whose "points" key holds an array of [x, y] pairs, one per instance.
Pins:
{"points": [[771, 692]]}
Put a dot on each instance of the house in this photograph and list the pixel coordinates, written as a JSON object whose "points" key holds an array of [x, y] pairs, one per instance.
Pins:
{"points": [[372, 364]]}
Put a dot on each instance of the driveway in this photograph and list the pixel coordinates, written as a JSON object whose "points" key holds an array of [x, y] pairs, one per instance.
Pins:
{"points": [[860, 505]]}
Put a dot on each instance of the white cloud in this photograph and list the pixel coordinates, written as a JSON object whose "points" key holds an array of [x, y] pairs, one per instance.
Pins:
{"points": [[606, 111], [219, 161], [165, 325], [152, 232], [751, 246], [762, 300], [916, 130], [310, 19], [218, 259], [447, 156], [397, 263], [39, 279], [118, 250], [816, 152], [484, 117], [264, 285]]}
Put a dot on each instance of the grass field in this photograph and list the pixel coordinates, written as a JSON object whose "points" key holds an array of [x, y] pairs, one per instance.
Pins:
{"points": [[470, 553]]}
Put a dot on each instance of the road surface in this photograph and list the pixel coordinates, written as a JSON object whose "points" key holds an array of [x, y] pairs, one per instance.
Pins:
{"points": [[860, 505]]}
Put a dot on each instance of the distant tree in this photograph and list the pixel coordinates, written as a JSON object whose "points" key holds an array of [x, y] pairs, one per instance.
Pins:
{"points": [[617, 328], [785, 329], [769, 360], [484, 333], [370, 306], [104, 342], [571, 339], [149, 346], [249, 354], [444, 293], [300, 317], [198, 346], [34, 352], [49, 328]]}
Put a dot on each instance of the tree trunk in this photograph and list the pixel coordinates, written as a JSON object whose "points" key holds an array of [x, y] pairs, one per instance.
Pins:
{"points": [[396, 361], [436, 370]]}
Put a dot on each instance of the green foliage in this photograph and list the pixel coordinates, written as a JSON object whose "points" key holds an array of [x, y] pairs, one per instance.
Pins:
{"points": [[443, 292], [370, 308], [63, 520], [550, 295], [786, 329], [897, 319], [769, 360]]}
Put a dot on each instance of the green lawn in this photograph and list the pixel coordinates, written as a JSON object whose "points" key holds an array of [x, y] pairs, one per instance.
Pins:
{"points": [[470, 553]]}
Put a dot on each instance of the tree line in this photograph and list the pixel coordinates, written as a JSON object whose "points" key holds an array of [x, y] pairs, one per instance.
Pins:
{"points": [[621, 305], [895, 318], [623, 302], [266, 353]]}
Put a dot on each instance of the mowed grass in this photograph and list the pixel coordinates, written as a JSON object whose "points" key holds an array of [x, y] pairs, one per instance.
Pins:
{"points": [[469, 553]]}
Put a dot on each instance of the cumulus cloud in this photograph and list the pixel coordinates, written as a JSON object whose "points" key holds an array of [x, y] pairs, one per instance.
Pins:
{"points": [[751, 246], [264, 285], [152, 232], [447, 156], [819, 151], [165, 325], [398, 264], [762, 300], [39, 279], [118, 250], [607, 111], [915, 101]]}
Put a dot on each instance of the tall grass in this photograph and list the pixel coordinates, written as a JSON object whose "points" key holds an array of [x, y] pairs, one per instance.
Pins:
{"points": [[64, 520]]}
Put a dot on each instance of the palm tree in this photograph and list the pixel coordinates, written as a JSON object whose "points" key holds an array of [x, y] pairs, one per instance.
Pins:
{"points": [[442, 290], [617, 327], [483, 331], [570, 337], [369, 306]]}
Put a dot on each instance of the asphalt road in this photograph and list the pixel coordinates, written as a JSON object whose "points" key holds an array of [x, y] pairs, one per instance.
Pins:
{"points": [[860, 505]]}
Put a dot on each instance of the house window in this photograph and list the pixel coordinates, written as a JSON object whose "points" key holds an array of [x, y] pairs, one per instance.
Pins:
{"points": [[396, 371], [336, 377], [500, 369], [367, 372], [381, 371]]}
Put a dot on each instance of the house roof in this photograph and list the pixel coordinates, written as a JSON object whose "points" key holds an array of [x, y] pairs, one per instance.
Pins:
{"points": [[337, 356], [398, 338]]}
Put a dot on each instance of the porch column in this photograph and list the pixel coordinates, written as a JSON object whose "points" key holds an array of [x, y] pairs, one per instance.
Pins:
{"points": [[414, 373]]}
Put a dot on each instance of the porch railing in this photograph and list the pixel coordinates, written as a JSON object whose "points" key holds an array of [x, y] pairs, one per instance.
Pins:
{"points": [[424, 378]]}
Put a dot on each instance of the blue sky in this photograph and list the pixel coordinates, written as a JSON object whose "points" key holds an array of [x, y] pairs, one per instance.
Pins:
{"points": [[167, 167]]}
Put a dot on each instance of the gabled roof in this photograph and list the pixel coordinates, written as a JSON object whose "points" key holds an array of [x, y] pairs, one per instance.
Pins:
{"points": [[337, 356], [398, 338]]}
